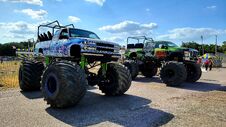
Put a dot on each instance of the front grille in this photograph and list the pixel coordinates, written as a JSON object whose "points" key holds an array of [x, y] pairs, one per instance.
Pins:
{"points": [[105, 47]]}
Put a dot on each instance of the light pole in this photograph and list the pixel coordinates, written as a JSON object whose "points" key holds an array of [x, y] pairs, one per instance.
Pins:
{"points": [[216, 46], [202, 45]]}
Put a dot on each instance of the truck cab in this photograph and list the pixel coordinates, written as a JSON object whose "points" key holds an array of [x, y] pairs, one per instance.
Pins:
{"points": [[74, 42]]}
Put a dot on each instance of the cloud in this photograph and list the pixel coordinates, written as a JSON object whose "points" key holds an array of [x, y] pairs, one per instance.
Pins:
{"points": [[115, 39], [129, 27], [188, 33], [147, 9], [73, 19], [98, 2], [38, 15], [211, 7], [119, 32], [17, 30], [33, 2]]}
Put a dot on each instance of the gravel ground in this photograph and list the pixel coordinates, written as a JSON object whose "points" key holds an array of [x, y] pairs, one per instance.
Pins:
{"points": [[147, 103]]}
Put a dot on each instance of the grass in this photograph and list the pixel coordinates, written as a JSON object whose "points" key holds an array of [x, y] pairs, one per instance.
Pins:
{"points": [[9, 74]]}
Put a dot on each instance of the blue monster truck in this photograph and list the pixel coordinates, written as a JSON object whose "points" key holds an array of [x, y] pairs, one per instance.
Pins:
{"points": [[62, 62]]}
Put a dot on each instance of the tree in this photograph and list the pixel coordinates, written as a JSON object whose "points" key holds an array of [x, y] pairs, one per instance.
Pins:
{"points": [[223, 47], [207, 48], [192, 44], [7, 48], [224, 42]]}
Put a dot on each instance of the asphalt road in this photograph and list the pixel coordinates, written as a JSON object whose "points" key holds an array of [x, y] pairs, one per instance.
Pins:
{"points": [[147, 103]]}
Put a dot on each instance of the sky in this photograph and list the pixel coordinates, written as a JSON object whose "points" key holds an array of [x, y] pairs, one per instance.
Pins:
{"points": [[114, 20]]}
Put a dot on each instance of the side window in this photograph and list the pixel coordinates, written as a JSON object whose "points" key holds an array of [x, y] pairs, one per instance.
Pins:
{"points": [[160, 45], [56, 35], [64, 34]]}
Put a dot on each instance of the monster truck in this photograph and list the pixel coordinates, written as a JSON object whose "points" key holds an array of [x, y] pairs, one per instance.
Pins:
{"points": [[61, 63], [176, 63]]}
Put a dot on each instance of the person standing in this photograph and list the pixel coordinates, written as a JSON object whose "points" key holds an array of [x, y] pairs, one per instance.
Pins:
{"points": [[210, 63], [206, 63]]}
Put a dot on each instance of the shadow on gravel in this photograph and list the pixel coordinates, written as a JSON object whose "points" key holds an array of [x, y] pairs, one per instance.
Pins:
{"points": [[32, 95], [203, 86], [125, 110], [38, 94], [147, 80]]}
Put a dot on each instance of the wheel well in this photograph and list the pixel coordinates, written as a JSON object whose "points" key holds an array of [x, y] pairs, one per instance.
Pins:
{"points": [[75, 51], [40, 51]]}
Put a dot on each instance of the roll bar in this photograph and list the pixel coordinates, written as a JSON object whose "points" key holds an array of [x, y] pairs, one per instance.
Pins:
{"points": [[54, 25], [139, 37]]}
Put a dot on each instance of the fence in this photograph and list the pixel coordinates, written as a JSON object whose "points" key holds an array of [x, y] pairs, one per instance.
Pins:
{"points": [[9, 73], [222, 56]]}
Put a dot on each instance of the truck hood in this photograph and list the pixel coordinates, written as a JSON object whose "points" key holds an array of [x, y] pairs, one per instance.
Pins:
{"points": [[173, 49], [176, 49]]}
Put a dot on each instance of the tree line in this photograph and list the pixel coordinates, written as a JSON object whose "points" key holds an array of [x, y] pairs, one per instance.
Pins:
{"points": [[208, 48], [8, 49]]}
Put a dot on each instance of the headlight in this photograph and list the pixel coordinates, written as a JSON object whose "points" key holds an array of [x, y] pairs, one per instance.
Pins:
{"points": [[89, 42], [85, 42]]}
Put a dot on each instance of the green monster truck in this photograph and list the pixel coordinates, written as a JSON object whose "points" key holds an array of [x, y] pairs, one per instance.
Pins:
{"points": [[61, 65], [177, 64]]}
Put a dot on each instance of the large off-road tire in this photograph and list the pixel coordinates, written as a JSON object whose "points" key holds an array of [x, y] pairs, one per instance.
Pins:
{"points": [[149, 69], [133, 68], [173, 73], [117, 80], [63, 84], [194, 71], [30, 75]]}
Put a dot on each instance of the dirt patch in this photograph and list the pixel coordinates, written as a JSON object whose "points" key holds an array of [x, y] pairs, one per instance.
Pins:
{"points": [[205, 109]]}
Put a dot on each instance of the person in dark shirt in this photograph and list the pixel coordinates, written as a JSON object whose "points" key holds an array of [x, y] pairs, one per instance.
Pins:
{"points": [[206, 63], [210, 63]]}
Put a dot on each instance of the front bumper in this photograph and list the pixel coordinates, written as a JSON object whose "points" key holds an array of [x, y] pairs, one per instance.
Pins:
{"points": [[99, 53]]}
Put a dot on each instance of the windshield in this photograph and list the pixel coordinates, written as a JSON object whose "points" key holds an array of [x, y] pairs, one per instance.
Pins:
{"points": [[159, 44], [83, 33], [170, 44]]}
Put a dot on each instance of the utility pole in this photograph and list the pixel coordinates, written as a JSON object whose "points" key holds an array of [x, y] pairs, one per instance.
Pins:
{"points": [[216, 46], [202, 45]]}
